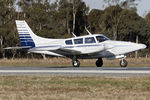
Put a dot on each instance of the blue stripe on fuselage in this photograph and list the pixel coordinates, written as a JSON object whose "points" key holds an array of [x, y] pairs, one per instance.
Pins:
{"points": [[70, 46], [83, 46]]}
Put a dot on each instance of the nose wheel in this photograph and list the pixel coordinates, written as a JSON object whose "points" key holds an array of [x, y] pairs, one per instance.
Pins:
{"points": [[75, 63], [123, 63], [99, 62]]}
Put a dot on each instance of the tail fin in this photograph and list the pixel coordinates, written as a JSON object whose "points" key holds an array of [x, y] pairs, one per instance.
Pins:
{"points": [[28, 38], [25, 34]]}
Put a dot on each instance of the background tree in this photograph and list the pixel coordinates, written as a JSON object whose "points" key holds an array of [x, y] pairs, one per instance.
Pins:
{"points": [[80, 20], [95, 21], [7, 31], [147, 18]]}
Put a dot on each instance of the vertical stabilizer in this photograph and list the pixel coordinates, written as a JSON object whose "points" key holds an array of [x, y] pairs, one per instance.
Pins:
{"points": [[25, 34], [28, 38]]}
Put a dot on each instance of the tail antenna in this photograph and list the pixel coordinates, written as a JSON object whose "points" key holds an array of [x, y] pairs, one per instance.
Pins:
{"points": [[88, 31]]}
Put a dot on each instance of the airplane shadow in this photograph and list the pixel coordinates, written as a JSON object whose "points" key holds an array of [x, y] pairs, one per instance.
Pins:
{"points": [[71, 67], [60, 67], [98, 68]]}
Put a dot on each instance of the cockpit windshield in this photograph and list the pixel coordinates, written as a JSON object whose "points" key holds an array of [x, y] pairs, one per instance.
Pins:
{"points": [[101, 38]]}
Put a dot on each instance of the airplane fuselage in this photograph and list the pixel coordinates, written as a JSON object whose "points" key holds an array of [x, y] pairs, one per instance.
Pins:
{"points": [[104, 49]]}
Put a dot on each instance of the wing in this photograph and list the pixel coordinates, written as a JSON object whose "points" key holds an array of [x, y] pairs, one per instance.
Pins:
{"points": [[58, 50]]}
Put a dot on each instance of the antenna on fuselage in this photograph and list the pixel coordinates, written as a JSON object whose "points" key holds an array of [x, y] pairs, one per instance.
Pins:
{"points": [[88, 31], [74, 34]]}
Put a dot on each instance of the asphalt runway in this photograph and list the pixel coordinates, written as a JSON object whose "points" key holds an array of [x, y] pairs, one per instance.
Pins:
{"points": [[81, 71]]}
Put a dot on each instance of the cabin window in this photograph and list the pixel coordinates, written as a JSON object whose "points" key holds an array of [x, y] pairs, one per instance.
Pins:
{"points": [[101, 38], [78, 41], [90, 40], [68, 42]]}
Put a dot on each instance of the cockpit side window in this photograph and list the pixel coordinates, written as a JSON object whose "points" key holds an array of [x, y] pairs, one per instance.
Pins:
{"points": [[90, 40], [68, 42], [101, 38], [78, 41]]}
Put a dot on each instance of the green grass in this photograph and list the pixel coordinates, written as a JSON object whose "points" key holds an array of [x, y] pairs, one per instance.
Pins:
{"points": [[73, 88]]}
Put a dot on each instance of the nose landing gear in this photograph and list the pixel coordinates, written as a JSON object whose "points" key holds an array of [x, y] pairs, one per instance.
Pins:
{"points": [[123, 63]]}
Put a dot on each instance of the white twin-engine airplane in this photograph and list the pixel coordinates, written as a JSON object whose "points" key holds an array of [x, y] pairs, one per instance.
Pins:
{"points": [[83, 47]]}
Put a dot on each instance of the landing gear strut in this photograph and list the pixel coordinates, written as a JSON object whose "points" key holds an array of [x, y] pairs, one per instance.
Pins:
{"points": [[75, 62], [123, 63], [99, 62]]}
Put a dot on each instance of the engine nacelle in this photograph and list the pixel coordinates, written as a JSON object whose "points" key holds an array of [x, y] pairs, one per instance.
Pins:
{"points": [[116, 57]]}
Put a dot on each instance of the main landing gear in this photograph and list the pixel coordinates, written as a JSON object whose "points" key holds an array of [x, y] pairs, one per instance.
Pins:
{"points": [[75, 63], [99, 62]]}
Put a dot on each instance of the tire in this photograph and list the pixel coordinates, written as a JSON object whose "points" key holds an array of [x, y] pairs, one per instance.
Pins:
{"points": [[99, 62], [76, 63], [123, 63]]}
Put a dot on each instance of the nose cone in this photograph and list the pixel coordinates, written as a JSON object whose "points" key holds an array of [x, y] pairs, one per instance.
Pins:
{"points": [[141, 46]]}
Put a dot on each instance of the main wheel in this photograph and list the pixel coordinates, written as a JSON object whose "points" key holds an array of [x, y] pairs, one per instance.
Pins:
{"points": [[123, 63], [99, 62], [76, 63]]}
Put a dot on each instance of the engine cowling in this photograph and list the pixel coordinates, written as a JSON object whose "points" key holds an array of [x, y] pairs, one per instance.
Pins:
{"points": [[108, 46], [116, 57]]}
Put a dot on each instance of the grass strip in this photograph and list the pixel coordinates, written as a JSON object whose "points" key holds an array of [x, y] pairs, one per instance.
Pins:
{"points": [[73, 88]]}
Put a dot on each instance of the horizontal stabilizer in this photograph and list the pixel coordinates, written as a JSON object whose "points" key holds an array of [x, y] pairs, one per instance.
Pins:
{"points": [[24, 47]]}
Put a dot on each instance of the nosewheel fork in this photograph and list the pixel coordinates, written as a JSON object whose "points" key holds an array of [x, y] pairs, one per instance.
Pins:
{"points": [[123, 63], [75, 62]]}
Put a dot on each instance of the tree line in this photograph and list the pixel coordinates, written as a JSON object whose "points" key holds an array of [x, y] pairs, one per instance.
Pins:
{"points": [[119, 21]]}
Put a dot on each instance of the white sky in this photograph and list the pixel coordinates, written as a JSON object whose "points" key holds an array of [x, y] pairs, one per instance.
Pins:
{"points": [[143, 7]]}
